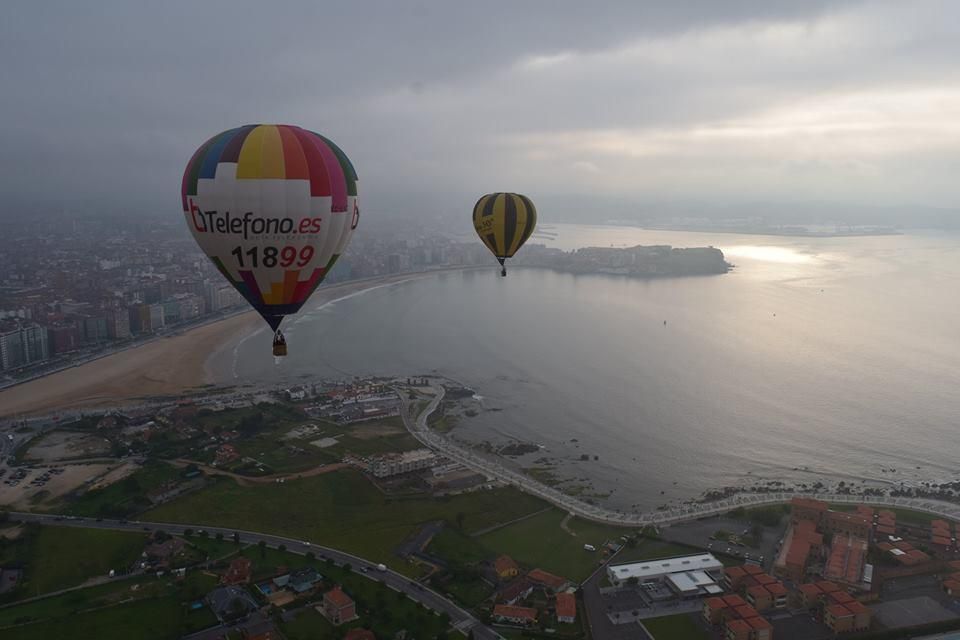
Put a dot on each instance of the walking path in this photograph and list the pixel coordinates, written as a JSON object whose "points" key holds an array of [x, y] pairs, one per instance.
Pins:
{"points": [[493, 469]]}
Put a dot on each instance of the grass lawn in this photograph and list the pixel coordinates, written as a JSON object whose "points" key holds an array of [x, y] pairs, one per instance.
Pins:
{"points": [[340, 509], [469, 594], [648, 549], [61, 557], [57, 609], [159, 618], [454, 546], [540, 542], [674, 628]]}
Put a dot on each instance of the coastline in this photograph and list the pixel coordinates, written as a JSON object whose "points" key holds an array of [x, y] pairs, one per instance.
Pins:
{"points": [[163, 367]]}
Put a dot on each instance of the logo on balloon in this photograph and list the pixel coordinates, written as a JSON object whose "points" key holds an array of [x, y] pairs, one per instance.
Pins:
{"points": [[247, 224]]}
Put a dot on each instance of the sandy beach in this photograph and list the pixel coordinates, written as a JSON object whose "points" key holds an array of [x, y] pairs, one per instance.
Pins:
{"points": [[167, 366]]}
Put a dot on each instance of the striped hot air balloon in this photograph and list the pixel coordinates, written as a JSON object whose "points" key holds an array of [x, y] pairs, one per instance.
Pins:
{"points": [[273, 206], [504, 221]]}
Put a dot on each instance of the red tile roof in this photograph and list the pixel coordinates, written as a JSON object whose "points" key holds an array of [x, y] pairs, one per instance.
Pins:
{"points": [[509, 611], [811, 590], [738, 626], [359, 633], [548, 579], [735, 572], [716, 603], [826, 586], [839, 611], [856, 607], [759, 623], [953, 585], [752, 569], [566, 605], [758, 592], [337, 598], [777, 589], [763, 578], [734, 601], [746, 611], [840, 597]]}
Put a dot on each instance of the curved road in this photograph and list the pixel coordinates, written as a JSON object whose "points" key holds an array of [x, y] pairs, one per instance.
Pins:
{"points": [[490, 468], [459, 618]]}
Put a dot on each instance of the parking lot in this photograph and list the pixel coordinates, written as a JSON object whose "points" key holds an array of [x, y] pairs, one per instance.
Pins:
{"points": [[699, 533]]}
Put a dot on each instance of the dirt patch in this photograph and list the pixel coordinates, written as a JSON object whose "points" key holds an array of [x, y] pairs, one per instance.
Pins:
{"points": [[62, 445], [11, 533], [115, 475], [375, 430]]}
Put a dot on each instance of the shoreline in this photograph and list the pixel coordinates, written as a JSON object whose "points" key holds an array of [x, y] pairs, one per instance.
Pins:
{"points": [[165, 366]]}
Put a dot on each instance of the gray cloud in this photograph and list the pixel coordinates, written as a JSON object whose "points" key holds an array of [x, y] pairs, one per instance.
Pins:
{"points": [[436, 102]]}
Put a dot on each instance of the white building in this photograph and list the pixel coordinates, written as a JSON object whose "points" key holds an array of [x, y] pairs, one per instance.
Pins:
{"points": [[658, 570], [391, 464]]}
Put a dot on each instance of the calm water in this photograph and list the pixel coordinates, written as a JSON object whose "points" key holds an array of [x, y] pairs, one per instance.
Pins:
{"points": [[841, 355]]}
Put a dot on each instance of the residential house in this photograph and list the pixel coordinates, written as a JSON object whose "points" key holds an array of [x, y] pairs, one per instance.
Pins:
{"points": [[338, 607], [548, 581], [566, 608], [303, 580], [516, 615], [506, 568], [238, 572], [515, 590]]}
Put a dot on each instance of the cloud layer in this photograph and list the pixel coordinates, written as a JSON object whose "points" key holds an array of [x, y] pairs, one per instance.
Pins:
{"points": [[733, 102]]}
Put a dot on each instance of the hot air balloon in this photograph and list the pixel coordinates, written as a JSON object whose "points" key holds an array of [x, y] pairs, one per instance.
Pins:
{"points": [[273, 206], [504, 221]]}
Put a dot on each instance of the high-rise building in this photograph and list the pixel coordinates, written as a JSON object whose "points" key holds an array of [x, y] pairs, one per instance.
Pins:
{"points": [[21, 345]]}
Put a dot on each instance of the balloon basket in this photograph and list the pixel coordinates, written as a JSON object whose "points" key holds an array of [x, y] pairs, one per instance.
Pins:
{"points": [[279, 349]]}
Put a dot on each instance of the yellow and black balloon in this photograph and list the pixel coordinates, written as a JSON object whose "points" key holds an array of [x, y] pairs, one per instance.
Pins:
{"points": [[504, 221]]}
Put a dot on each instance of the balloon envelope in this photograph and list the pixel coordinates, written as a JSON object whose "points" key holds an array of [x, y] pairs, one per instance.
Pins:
{"points": [[504, 221], [273, 206]]}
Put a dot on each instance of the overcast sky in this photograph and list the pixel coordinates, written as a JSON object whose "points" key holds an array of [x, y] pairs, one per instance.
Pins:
{"points": [[578, 104]]}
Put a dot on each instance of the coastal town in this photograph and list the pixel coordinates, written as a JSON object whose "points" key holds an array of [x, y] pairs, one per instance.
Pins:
{"points": [[204, 492], [105, 284]]}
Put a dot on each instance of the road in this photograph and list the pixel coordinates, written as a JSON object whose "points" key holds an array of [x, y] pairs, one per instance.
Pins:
{"points": [[459, 618], [493, 469]]}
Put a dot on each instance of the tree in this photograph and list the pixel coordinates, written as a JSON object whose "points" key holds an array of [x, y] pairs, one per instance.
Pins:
{"points": [[236, 538], [281, 547], [348, 567], [310, 555], [460, 517], [219, 536], [263, 548], [633, 581], [187, 533]]}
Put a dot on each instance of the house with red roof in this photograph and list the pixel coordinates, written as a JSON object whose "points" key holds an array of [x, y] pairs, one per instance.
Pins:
{"points": [[337, 607], [566, 607], [547, 580], [238, 572], [516, 615]]}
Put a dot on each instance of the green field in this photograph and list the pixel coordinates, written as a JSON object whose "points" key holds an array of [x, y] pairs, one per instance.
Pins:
{"points": [[159, 618], [59, 557], [675, 628], [648, 549], [142, 587], [541, 542], [341, 509]]}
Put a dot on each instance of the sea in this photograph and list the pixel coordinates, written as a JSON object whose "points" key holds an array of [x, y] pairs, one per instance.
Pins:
{"points": [[814, 359]]}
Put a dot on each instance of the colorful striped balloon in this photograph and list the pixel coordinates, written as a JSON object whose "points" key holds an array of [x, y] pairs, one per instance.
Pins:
{"points": [[273, 206], [504, 221]]}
